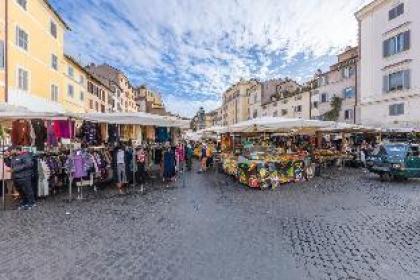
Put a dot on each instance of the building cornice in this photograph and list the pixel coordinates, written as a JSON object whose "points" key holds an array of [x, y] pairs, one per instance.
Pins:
{"points": [[369, 8]]}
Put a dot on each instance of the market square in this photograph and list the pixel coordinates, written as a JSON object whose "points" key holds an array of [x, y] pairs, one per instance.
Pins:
{"points": [[211, 139]]}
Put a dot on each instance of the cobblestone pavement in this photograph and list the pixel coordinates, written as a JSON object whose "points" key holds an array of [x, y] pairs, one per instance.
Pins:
{"points": [[344, 225]]}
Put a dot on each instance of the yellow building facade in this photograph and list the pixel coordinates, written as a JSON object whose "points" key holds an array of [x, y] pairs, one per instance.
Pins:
{"points": [[2, 51], [75, 86], [35, 51]]}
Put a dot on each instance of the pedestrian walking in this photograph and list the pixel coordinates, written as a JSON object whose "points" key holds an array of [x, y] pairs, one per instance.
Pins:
{"points": [[189, 154], [141, 159], [22, 166], [121, 170], [203, 158]]}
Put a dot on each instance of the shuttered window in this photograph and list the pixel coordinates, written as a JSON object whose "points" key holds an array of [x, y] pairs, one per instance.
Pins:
{"points": [[396, 109], [348, 114], [23, 79], [2, 54], [396, 12], [396, 44], [397, 81], [22, 38]]}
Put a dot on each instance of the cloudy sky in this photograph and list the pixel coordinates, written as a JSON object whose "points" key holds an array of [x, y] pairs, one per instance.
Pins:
{"points": [[192, 50]]}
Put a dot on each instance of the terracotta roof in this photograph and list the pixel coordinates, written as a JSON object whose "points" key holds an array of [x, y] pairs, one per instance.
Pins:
{"points": [[57, 14]]}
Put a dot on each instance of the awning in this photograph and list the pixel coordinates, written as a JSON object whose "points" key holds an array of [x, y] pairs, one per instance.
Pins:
{"points": [[275, 124]]}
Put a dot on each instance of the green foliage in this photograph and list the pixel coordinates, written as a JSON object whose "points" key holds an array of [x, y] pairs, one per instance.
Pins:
{"points": [[336, 104]]}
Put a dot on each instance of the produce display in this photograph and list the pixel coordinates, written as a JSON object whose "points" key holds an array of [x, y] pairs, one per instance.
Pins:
{"points": [[323, 156], [265, 171]]}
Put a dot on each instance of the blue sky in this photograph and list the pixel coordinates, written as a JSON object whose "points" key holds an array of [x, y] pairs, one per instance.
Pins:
{"points": [[191, 51]]}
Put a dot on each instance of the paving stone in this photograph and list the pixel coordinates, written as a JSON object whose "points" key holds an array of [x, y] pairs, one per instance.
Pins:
{"points": [[343, 225]]}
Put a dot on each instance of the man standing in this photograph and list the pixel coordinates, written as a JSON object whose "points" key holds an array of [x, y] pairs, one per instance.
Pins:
{"points": [[22, 172]]}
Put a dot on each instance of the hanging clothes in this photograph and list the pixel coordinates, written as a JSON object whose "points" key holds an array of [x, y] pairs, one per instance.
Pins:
{"points": [[150, 133], [21, 130], [103, 128], [51, 136], [7, 175], [40, 134], [162, 135], [80, 164], [113, 133], [90, 133], [44, 174]]}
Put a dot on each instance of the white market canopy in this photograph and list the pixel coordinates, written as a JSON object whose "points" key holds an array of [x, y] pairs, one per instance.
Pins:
{"points": [[11, 112], [136, 118], [276, 124], [349, 128]]}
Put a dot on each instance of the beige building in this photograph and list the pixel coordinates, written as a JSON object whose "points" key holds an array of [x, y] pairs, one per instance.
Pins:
{"points": [[390, 63], [235, 106], [149, 101], [338, 83], [124, 98], [74, 98], [278, 99], [99, 96]]}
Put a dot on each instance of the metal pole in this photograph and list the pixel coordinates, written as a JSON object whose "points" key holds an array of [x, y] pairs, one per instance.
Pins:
{"points": [[70, 177], [3, 183], [134, 162]]}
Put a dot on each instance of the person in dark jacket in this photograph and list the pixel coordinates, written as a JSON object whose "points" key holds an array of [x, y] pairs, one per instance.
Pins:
{"points": [[22, 173], [189, 152]]}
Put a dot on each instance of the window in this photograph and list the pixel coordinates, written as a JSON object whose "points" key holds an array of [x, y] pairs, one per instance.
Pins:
{"points": [[2, 56], [396, 12], [348, 93], [275, 114], [53, 29], [90, 104], [397, 81], [324, 98], [348, 114], [82, 80], [396, 44], [54, 62], [70, 91], [82, 96], [347, 72], [298, 109], [54, 93], [322, 81], [396, 109], [284, 112], [70, 71], [22, 3], [23, 79], [315, 104], [22, 38], [96, 106], [255, 114]]}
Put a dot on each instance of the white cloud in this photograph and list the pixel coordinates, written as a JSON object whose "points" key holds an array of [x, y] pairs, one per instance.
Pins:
{"points": [[198, 48]]}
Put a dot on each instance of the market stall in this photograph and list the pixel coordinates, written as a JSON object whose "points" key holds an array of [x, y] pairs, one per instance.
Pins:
{"points": [[267, 152], [81, 149]]}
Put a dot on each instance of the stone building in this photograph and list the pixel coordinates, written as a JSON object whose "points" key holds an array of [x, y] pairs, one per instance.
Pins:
{"points": [[338, 84], [389, 63], [235, 106], [119, 83], [149, 101]]}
